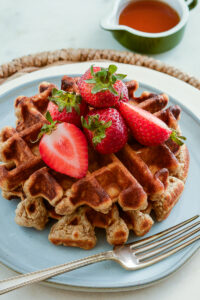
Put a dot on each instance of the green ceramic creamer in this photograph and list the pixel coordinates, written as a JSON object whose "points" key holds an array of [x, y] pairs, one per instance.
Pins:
{"points": [[145, 42]]}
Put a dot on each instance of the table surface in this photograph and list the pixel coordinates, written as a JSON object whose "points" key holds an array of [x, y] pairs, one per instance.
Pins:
{"points": [[34, 26]]}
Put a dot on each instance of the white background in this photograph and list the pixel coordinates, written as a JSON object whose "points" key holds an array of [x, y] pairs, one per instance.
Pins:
{"points": [[29, 26]]}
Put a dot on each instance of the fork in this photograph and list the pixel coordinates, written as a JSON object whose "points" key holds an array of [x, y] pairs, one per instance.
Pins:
{"points": [[133, 256]]}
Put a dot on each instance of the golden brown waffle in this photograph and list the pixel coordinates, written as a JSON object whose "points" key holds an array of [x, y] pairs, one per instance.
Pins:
{"points": [[20, 156], [32, 213], [109, 183], [77, 229], [116, 222], [119, 190]]}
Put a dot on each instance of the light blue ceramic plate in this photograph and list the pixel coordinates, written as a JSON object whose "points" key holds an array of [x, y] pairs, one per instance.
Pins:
{"points": [[27, 250]]}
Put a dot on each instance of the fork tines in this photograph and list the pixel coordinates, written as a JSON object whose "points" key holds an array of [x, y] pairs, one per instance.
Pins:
{"points": [[161, 245]]}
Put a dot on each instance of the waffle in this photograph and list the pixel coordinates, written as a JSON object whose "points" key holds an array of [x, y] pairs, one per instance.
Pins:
{"points": [[77, 229], [119, 191], [32, 213]]}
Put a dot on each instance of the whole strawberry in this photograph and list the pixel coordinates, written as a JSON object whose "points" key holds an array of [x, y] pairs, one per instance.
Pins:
{"points": [[105, 130], [147, 129], [67, 107], [102, 87]]}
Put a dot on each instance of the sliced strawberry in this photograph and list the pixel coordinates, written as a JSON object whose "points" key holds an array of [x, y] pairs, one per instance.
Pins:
{"points": [[65, 150], [146, 128]]}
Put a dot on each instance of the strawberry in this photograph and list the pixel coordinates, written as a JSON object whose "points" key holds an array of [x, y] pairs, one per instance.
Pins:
{"points": [[102, 87], [124, 94], [147, 129], [67, 107], [63, 148], [105, 130]]}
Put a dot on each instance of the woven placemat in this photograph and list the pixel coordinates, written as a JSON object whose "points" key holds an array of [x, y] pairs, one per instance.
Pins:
{"points": [[33, 62]]}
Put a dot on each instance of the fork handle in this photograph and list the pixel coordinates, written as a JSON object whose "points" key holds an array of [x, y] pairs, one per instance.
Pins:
{"points": [[13, 283]]}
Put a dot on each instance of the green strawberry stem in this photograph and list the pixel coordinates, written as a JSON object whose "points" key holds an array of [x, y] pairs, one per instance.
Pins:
{"points": [[46, 128], [178, 139], [105, 79], [98, 127], [66, 100]]}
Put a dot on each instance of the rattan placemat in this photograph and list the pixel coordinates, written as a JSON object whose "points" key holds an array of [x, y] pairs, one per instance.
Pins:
{"points": [[33, 62]]}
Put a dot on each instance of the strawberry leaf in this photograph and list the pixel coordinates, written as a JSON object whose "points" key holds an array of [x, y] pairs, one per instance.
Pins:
{"points": [[112, 90], [84, 122], [97, 127], [107, 124], [114, 79], [92, 70], [120, 76], [97, 88], [66, 100], [104, 79], [112, 69], [46, 128], [49, 117], [178, 139], [121, 96], [102, 75], [98, 138], [92, 80]]}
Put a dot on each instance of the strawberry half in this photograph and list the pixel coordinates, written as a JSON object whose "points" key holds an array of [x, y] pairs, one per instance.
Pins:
{"points": [[67, 107], [63, 148], [106, 130], [101, 87], [147, 129]]}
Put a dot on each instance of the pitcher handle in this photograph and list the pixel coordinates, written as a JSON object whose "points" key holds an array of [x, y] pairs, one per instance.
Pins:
{"points": [[191, 3]]}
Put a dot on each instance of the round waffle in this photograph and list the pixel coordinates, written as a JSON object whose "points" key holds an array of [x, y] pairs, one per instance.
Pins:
{"points": [[120, 192]]}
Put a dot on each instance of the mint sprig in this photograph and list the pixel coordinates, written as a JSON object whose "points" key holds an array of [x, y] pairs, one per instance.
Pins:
{"points": [[178, 139], [104, 79], [66, 100], [98, 127], [46, 128]]}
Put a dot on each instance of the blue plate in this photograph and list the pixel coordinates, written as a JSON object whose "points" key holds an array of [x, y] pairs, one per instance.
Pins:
{"points": [[26, 250]]}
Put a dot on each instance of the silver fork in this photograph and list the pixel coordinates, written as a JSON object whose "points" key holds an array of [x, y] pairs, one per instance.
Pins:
{"points": [[131, 256]]}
